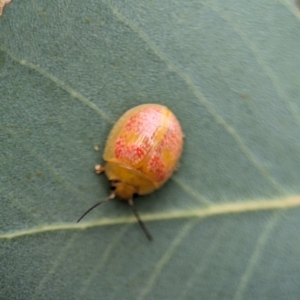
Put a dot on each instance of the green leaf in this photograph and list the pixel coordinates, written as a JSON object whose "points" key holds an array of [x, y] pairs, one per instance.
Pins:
{"points": [[226, 226]]}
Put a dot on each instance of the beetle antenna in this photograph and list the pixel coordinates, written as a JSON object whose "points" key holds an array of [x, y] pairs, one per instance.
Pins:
{"points": [[142, 224], [110, 197]]}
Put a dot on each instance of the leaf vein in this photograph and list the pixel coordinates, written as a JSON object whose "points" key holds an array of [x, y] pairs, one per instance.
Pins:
{"points": [[201, 99], [260, 61], [165, 258], [204, 259], [211, 211], [20, 206], [52, 171], [111, 246], [257, 253], [54, 266], [59, 83]]}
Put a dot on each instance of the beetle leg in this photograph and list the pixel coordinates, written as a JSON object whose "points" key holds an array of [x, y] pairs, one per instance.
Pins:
{"points": [[143, 226], [99, 169]]}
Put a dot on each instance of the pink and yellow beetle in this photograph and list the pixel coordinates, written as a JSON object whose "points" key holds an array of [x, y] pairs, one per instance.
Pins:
{"points": [[141, 154]]}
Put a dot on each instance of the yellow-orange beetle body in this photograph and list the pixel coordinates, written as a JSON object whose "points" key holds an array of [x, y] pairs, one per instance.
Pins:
{"points": [[141, 153]]}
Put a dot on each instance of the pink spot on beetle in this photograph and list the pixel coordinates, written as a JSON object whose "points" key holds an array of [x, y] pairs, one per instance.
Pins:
{"points": [[132, 152], [157, 167], [172, 138], [140, 142], [145, 122]]}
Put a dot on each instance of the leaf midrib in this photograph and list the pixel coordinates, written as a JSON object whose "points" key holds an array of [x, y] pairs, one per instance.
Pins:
{"points": [[212, 210]]}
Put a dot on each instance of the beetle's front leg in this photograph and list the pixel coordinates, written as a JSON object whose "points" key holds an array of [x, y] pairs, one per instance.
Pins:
{"points": [[99, 169]]}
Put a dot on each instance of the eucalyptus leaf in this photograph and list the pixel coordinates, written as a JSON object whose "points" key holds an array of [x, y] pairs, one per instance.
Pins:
{"points": [[226, 226]]}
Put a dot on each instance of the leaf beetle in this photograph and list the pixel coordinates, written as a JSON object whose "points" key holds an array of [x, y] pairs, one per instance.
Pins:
{"points": [[141, 154]]}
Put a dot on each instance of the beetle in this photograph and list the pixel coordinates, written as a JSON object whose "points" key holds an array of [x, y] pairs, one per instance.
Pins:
{"points": [[141, 153]]}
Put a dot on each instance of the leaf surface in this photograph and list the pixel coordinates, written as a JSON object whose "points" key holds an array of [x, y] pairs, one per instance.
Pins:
{"points": [[226, 226]]}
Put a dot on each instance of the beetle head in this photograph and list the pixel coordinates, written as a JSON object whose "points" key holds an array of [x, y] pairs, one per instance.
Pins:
{"points": [[123, 190]]}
